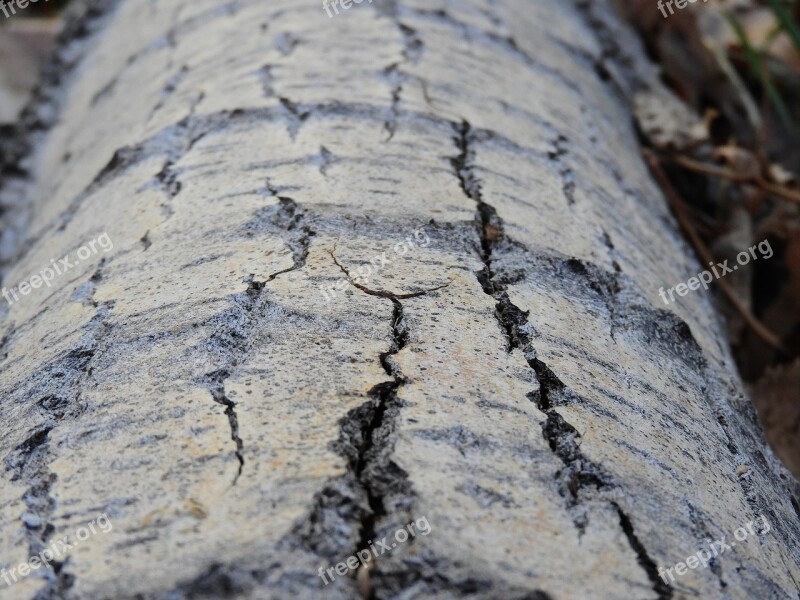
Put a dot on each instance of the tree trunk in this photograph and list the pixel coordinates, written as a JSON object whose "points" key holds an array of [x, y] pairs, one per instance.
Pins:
{"points": [[500, 365]]}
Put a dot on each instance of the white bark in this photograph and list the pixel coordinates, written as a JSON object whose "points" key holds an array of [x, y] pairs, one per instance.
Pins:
{"points": [[562, 431]]}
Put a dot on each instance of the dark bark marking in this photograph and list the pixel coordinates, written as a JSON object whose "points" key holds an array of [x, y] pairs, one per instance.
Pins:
{"points": [[564, 170]]}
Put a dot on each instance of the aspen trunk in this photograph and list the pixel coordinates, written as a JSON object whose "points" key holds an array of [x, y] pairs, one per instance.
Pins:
{"points": [[499, 366]]}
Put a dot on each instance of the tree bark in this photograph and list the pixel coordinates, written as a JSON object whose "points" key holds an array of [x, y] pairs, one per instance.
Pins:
{"points": [[506, 371]]}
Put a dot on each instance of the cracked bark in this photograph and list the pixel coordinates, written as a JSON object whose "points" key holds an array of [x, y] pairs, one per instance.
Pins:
{"points": [[561, 436], [564, 434]]}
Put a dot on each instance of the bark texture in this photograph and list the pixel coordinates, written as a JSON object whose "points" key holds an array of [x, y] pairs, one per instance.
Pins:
{"points": [[563, 432]]}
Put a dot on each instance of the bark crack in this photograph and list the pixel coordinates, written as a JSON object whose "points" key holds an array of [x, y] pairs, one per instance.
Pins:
{"points": [[357, 501], [564, 170], [169, 89], [289, 216], [413, 48], [30, 463], [323, 160], [563, 439], [664, 590], [216, 385], [381, 415], [232, 341], [267, 80], [295, 116]]}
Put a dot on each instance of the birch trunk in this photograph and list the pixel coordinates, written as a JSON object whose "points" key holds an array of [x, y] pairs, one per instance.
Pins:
{"points": [[503, 367]]}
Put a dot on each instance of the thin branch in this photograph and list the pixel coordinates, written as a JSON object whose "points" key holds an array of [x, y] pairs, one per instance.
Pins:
{"points": [[380, 293], [766, 186]]}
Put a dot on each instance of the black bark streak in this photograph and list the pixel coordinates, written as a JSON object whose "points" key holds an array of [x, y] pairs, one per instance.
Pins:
{"points": [[561, 436], [169, 88], [146, 241], [60, 399], [324, 160], [396, 78], [30, 463], [168, 179], [702, 534], [610, 51], [267, 80]]}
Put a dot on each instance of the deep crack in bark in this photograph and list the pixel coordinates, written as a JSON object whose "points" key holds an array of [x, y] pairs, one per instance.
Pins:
{"points": [[359, 497], [664, 590], [384, 397], [288, 215], [374, 420], [216, 383], [579, 472]]}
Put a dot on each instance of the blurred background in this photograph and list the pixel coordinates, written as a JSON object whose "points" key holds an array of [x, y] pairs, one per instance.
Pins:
{"points": [[728, 158], [26, 40], [730, 168]]}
